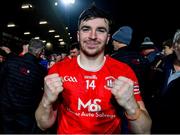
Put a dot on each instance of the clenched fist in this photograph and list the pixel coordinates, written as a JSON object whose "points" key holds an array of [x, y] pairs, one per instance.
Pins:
{"points": [[52, 87], [123, 91]]}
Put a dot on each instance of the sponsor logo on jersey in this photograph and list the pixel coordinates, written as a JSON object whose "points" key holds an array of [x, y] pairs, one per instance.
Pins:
{"points": [[94, 77], [70, 79], [91, 105]]}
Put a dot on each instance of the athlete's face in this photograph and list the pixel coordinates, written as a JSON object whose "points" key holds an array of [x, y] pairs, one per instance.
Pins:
{"points": [[93, 36]]}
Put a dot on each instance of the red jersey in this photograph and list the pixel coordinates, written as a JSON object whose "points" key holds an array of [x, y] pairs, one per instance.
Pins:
{"points": [[87, 105]]}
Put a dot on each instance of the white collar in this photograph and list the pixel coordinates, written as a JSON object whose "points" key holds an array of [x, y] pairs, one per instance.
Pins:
{"points": [[90, 69]]}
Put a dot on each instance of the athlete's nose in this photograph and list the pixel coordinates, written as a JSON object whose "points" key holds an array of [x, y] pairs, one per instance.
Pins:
{"points": [[93, 34]]}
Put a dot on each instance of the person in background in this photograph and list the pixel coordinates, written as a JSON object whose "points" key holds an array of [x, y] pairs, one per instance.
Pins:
{"points": [[150, 53], [74, 50], [2, 57], [24, 49], [58, 57], [166, 51], [64, 54], [124, 52], [54, 58], [9, 53], [44, 60], [166, 108], [167, 47], [149, 50], [21, 81], [86, 93], [6, 49]]}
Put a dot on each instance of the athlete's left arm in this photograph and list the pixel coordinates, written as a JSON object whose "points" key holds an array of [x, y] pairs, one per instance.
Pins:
{"points": [[135, 111], [140, 121]]}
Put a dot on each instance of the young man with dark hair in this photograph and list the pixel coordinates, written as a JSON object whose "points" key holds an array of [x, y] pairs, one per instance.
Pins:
{"points": [[90, 91], [74, 50]]}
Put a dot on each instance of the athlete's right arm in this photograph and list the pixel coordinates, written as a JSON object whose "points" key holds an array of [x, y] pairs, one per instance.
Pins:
{"points": [[45, 113]]}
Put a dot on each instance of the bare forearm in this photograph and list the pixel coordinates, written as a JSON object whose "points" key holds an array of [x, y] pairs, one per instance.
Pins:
{"points": [[45, 115], [141, 125], [138, 117]]}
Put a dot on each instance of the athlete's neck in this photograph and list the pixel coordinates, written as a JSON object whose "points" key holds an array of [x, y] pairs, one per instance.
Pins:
{"points": [[91, 64]]}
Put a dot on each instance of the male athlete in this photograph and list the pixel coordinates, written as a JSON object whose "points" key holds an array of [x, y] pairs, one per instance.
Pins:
{"points": [[87, 93]]}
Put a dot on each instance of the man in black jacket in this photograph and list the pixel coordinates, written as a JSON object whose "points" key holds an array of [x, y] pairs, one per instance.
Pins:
{"points": [[21, 81], [123, 51]]}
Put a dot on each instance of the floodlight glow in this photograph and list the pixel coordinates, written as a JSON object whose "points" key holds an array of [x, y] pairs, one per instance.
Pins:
{"points": [[60, 39], [26, 6], [48, 45], [11, 25], [66, 2], [51, 31], [62, 43], [36, 37], [43, 22], [55, 3], [56, 36], [26, 33]]}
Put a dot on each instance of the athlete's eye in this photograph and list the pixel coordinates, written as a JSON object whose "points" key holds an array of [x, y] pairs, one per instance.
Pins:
{"points": [[85, 28], [102, 30]]}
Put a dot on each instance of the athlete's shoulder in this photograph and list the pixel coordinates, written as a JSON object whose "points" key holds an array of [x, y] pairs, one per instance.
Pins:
{"points": [[67, 61], [118, 68], [64, 65]]}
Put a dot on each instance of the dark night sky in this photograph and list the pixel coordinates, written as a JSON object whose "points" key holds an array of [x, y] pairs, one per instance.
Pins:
{"points": [[156, 19]]}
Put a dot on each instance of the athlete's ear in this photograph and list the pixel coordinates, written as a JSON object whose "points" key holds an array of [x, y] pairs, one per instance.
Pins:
{"points": [[78, 36]]}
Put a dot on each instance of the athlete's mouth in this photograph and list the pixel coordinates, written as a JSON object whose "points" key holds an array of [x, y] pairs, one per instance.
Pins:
{"points": [[91, 44]]}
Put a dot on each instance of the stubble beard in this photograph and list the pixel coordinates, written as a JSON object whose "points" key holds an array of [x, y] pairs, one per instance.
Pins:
{"points": [[88, 52]]}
